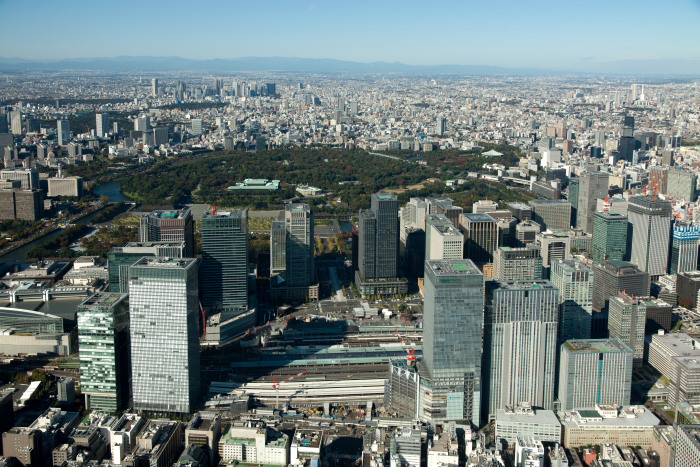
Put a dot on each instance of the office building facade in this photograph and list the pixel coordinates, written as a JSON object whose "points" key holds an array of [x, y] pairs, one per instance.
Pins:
{"points": [[164, 320], [626, 321], [224, 266], [518, 264], [103, 338], [552, 214], [453, 323], [442, 239], [480, 237], [612, 277], [684, 248], [594, 372], [609, 237], [650, 228], [520, 344], [169, 226], [575, 283], [592, 185]]}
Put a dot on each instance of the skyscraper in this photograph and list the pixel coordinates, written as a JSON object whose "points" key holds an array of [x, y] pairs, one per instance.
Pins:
{"points": [[682, 184], [278, 247], [614, 276], [63, 130], [16, 122], [626, 145], [626, 321], [164, 315], [518, 264], [480, 236], [609, 236], [378, 244], [552, 214], [299, 222], [442, 239], [224, 267], [103, 337], [594, 372], [101, 125], [684, 248], [520, 343], [453, 323], [592, 185], [169, 226], [650, 228], [119, 259], [575, 283], [154, 87], [573, 199], [196, 126]]}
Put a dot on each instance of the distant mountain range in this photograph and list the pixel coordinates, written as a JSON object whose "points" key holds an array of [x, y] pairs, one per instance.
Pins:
{"points": [[327, 65]]}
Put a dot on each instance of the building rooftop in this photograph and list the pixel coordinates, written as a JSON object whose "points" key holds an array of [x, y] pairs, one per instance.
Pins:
{"points": [[160, 263], [596, 346], [455, 267], [233, 213], [518, 414], [525, 285], [104, 299], [472, 217], [611, 417], [170, 214]]}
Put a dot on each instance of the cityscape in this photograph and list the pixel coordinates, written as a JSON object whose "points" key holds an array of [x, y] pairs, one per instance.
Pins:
{"points": [[339, 251]]}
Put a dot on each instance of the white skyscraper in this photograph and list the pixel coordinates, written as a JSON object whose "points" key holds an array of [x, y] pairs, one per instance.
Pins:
{"points": [[164, 319], [101, 125], [520, 343], [575, 283], [442, 239]]}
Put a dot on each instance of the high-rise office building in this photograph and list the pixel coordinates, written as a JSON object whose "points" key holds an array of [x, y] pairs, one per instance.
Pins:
{"points": [[594, 372], [160, 136], [572, 197], [120, 258], [687, 451], [299, 222], [453, 323], [650, 228], [688, 288], [480, 237], [552, 214], [441, 126], [16, 122], [626, 321], [63, 131], [169, 226], [682, 184], [614, 276], [626, 144], [278, 247], [575, 283], [224, 267], [154, 87], [518, 264], [378, 243], [103, 338], [412, 217], [101, 125], [442, 239], [684, 248], [444, 206], [553, 246], [164, 320], [592, 185], [609, 236], [520, 344], [526, 233], [196, 126], [28, 178], [521, 211], [21, 204]]}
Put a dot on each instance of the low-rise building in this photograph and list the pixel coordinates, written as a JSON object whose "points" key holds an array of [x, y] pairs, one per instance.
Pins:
{"points": [[628, 426], [254, 445], [523, 420]]}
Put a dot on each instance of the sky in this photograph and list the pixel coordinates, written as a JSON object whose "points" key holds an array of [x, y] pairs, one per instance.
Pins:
{"points": [[572, 35]]}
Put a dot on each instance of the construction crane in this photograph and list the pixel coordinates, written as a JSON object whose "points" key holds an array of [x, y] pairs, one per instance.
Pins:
{"points": [[276, 386], [411, 352]]}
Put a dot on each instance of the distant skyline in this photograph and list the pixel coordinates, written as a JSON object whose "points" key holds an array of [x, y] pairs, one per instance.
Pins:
{"points": [[593, 36]]}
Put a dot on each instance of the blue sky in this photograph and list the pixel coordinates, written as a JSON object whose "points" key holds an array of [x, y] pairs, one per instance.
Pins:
{"points": [[550, 34]]}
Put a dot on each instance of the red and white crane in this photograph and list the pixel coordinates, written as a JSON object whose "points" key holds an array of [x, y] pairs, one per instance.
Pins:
{"points": [[276, 386], [409, 350]]}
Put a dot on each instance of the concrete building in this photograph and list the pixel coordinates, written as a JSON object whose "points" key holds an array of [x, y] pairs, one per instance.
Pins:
{"points": [[520, 344], [612, 277], [254, 445], [687, 287], [204, 430], [682, 185], [412, 217], [28, 178], [677, 357], [164, 318], [101, 125], [65, 186], [594, 372], [406, 448], [103, 337], [21, 204], [518, 264], [442, 239], [650, 228], [480, 237], [158, 444], [529, 452], [524, 420], [575, 283], [120, 258], [625, 426], [626, 321], [609, 237], [554, 246], [551, 214], [63, 131], [684, 248], [687, 453], [23, 444], [526, 233], [484, 206], [169, 226]]}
